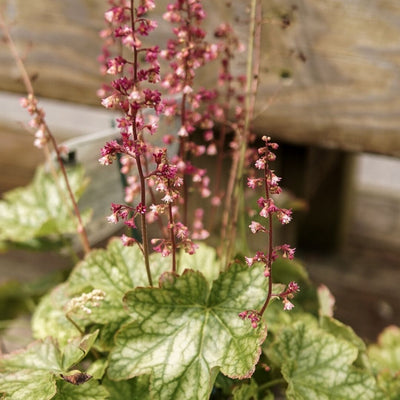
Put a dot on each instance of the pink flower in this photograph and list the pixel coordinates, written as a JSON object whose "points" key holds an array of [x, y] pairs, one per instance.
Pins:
{"points": [[183, 132], [252, 183], [112, 219], [256, 227], [260, 163], [168, 198], [287, 251], [251, 315], [287, 305], [127, 241], [293, 287], [110, 101], [249, 261], [284, 216]]}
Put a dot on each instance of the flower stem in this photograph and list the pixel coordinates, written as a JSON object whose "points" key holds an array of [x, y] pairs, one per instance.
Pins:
{"points": [[236, 178], [139, 161], [172, 237], [29, 88], [270, 238]]}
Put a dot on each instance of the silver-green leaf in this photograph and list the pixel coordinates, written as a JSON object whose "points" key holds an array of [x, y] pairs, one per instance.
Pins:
{"points": [[184, 332], [318, 366]]}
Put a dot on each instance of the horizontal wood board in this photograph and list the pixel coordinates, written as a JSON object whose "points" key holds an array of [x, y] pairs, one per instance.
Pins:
{"points": [[341, 60]]}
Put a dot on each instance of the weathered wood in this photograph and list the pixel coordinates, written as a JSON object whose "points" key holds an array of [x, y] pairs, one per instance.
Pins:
{"points": [[341, 57]]}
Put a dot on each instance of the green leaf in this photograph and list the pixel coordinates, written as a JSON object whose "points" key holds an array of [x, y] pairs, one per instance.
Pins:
{"points": [[114, 270], [98, 368], [32, 373], [342, 331], [247, 391], [184, 332], [90, 390], [77, 349], [316, 365], [326, 301], [23, 385], [49, 317], [204, 260], [385, 355], [36, 211], [136, 388], [385, 360], [389, 386], [40, 355]]}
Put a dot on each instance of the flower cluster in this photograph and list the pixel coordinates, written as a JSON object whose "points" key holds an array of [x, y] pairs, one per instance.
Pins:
{"points": [[269, 209], [289, 293], [85, 301], [166, 180], [37, 122], [186, 52], [252, 315], [267, 205], [131, 93]]}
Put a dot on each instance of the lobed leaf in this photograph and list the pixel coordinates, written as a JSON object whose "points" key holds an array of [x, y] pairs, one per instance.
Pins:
{"points": [[136, 388], [385, 360], [204, 260], [34, 373], [386, 353], [184, 332], [91, 390], [247, 391], [317, 365], [30, 214], [49, 317], [114, 270], [32, 385]]}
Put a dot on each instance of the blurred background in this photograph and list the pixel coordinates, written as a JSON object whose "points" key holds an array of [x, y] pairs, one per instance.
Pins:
{"points": [[329, 95]]}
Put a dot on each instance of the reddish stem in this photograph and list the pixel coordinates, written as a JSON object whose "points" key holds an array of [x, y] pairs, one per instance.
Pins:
{"points": [[29, 88], [139, 162], [270, 236]]}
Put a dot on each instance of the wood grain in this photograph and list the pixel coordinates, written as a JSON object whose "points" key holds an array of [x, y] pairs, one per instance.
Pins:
{"points": [[340, 58]]}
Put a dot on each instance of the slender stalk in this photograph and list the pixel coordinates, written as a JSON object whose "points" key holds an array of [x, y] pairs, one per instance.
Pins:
{"points": [[270, 240], [172, 237], [242, 136], [183, 139], [21, 67], [29, 88], [220, 146], [273, 382], [138, 159]]}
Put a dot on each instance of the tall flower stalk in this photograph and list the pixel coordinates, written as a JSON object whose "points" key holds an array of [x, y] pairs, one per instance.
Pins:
{"points": [[269, 210], [127, 26], [187, 52], [234, 195], [43, 136]]}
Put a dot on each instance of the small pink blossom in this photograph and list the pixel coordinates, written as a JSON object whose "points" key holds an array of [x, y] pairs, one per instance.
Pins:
{"points": [[112, 219], [256, 227], [284, 216], [183, 132], [168, 198], [127, 241], [287, 305], [251, 315], [249, 261], [110, 101], [287, 251], [260, 163]]}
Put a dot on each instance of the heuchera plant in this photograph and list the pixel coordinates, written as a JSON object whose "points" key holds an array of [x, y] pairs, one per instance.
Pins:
{"points": [[159, 314]]}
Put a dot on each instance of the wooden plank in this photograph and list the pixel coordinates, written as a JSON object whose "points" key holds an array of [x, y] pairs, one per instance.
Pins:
{"points": [[340, 57]]}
